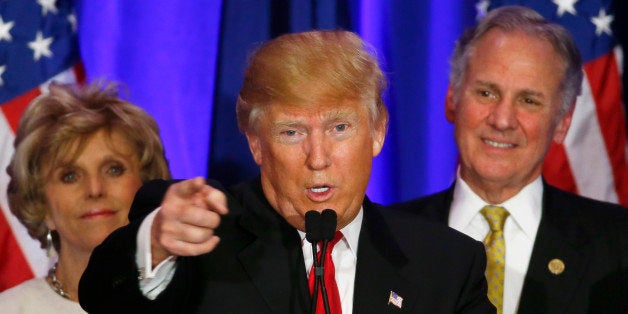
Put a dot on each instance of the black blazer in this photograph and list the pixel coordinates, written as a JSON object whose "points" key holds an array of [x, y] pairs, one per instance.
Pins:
{"points": [[589, 236], [258, 266]]}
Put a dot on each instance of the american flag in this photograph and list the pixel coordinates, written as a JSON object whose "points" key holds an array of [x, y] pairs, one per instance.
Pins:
{"points": [[592, 159], [38, 45], [395, 299]]}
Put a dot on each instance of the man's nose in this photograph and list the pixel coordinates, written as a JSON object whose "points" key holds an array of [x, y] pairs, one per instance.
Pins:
{"points": [[503, 115], [318, 152]]}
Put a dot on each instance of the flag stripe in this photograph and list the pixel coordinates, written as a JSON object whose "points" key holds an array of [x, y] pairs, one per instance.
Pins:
{"points": [[78, 71], [557, 170], [13, 266], [13, 108], [586, 149], [604, 79]]}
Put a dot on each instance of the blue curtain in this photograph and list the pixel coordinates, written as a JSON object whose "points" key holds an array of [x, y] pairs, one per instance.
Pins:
{"points": [[183, 62]]}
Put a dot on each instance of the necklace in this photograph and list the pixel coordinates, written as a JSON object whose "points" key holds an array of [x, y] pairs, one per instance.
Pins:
{"points": [[56, 284]]}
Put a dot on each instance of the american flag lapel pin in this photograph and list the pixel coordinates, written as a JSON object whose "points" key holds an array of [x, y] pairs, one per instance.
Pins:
{"points": [[395, 299]]}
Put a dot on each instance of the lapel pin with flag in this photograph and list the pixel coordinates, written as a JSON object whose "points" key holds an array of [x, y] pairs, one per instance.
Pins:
{"points": [[395, 299]]}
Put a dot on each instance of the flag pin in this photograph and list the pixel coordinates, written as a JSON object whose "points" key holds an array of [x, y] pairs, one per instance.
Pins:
{"points": [[556, 266], [395, 299]]}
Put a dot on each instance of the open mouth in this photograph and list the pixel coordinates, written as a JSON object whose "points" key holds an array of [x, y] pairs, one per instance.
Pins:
{"points": [[320, 193], [320, 189]]}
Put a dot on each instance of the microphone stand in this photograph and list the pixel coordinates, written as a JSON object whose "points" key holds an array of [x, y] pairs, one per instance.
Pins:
{"points": [[320, 227], [313, 235], [317, 279], [328, 222], [321, 275]]}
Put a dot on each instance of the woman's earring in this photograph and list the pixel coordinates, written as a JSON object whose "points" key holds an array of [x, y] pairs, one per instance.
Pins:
{"points": [[50, 248]]}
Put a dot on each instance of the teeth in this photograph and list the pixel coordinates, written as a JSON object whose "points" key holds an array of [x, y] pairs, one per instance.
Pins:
{"points": [[498, 144], [320, 189]]}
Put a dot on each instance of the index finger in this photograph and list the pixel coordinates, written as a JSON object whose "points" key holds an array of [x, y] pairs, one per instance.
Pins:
{"points": [[217, 201], [188, 188]]}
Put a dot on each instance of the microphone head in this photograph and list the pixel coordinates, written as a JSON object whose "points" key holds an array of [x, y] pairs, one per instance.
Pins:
{"points": [[328, 224], [313, 226]]}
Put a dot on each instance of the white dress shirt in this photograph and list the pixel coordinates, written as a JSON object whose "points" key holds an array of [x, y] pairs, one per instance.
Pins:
{"points": [[520, 229], [152, 281], [344, 255]]}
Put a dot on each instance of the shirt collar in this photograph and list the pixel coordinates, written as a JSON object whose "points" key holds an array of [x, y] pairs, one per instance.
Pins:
{"points": [[525, 207]]}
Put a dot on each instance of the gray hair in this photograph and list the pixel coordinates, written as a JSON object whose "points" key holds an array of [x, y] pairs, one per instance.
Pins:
{"points": [[518, 18]]}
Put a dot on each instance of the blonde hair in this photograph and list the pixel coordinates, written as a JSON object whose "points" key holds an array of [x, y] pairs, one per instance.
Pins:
{"points": [[70, 114], [302, 68]]}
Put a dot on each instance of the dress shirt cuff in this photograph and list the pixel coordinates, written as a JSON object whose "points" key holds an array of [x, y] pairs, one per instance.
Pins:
{"points": [[152, 281]]}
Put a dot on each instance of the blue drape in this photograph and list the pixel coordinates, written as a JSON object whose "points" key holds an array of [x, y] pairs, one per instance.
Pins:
{"points": [[183, 62]]}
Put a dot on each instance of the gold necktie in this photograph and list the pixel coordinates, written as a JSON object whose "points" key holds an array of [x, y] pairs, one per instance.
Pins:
{"points": [[495, 253]]}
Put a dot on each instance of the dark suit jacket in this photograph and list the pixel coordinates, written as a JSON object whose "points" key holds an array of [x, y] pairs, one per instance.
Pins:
{"points": [[589, 236], [258, 266]]}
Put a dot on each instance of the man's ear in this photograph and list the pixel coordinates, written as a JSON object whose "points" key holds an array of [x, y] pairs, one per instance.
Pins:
{"points": [[379, 135], [450, 106], [563, 125], [255, 146]]}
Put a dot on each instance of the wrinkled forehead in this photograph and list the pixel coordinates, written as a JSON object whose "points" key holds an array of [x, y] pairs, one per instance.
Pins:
{"points": [[518, 42], [324, 108]]}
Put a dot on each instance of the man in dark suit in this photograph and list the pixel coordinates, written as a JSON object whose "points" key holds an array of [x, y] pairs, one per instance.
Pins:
{"points": [[312, 111], [513, 86]]}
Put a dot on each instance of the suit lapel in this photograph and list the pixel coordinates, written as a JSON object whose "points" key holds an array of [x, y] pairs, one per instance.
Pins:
{"points": [[380, 268], [557, 240], [274, 259]]}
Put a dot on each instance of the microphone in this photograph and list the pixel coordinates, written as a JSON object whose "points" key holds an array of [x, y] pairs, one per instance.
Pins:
{"points": [[313, 235], [312, 226], [328, 222]]}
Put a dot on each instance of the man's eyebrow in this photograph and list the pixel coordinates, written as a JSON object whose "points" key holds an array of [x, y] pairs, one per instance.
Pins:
{"points": [[526, 91], [341, 114], [280, 124], [285, 123], [490, 85], [530, 92]]}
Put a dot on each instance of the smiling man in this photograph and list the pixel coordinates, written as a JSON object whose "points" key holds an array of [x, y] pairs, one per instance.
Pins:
{"points": [[312, 111], [513, 86]]}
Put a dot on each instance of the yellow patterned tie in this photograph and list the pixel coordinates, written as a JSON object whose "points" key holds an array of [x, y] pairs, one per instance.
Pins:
{"points": [[495, 254]]}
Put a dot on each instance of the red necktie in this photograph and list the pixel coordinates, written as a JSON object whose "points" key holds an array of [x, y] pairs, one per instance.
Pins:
{"points": [[329, 279]]}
